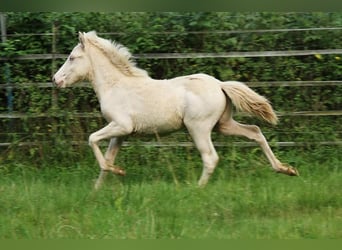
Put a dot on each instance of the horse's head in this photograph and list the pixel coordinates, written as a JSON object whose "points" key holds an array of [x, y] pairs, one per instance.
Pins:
{"points": [[76, 67]]}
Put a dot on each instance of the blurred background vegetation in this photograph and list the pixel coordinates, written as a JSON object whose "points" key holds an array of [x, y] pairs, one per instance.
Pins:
{"points": [[50, 124]]}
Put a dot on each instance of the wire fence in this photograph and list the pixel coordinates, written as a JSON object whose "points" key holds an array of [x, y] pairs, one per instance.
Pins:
{"points": [[160, 56]]}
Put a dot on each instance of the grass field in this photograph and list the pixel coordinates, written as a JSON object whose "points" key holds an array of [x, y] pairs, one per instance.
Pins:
{"points": [[159, 198]]}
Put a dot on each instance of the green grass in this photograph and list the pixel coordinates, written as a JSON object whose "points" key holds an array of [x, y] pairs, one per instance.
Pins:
{"points": [[243, 201]]}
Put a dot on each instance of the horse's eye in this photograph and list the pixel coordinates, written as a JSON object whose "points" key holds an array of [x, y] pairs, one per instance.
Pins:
{"points": [[71, 58]]}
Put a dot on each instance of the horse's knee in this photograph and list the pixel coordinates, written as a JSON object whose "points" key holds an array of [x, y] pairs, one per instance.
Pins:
{"points": [[92, 140]]}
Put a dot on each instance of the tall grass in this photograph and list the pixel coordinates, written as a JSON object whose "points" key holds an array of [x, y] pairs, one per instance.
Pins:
{"points": [[244, 199]]}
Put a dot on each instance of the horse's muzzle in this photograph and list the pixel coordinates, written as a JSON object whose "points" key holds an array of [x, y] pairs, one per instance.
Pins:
{"points": [[58, 84]]}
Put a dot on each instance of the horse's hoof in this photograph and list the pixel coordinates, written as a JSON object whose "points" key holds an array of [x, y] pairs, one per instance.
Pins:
{"points": [[119, 171], [292, 171], [288, 170], [115, 169]]}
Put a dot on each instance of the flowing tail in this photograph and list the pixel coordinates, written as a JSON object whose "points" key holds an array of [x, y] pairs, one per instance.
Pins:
{"points": [[245, 99]]}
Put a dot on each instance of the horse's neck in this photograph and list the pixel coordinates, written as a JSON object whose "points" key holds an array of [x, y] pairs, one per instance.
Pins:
{"points": [[104, 75]]}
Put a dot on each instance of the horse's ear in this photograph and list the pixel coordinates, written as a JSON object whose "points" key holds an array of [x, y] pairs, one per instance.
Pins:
{"points": [[81, 38]]}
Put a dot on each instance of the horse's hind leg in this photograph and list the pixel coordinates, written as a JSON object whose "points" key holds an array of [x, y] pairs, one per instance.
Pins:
{"points": [[231, 127], [112, 150], [202, 140]]}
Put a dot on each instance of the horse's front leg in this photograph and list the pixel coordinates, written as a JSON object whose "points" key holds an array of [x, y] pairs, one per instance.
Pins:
{"points": [[110, 155], [113, 129]]}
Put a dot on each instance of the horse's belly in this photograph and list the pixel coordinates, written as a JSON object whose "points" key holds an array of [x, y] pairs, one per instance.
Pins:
{"points": [[160, 124]]}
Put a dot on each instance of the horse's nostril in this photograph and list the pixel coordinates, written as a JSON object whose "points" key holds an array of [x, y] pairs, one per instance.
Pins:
{"points": [[53, 80]]}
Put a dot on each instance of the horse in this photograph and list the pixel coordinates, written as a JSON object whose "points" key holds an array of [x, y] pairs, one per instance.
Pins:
{"points": [[132, 102]]}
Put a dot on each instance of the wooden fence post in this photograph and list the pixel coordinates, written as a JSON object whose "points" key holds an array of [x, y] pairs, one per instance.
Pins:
{"points": [[9, 87], [54, 93]]}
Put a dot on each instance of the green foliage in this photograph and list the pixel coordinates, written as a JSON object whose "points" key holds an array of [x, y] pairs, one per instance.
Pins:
{"points": [[171, 32]]}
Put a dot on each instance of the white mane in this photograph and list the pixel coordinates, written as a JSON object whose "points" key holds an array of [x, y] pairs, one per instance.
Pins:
{"points": [[118, 54]]}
